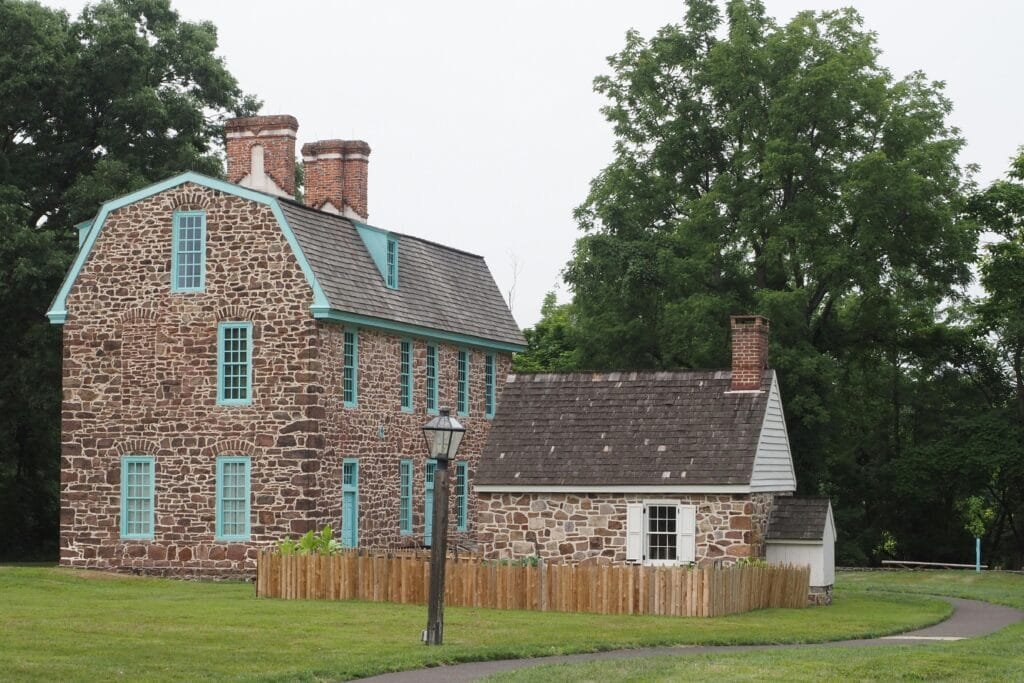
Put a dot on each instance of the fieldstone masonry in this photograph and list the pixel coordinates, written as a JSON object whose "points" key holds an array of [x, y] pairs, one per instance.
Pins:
{"points": [[140, 376], [579, 528]]}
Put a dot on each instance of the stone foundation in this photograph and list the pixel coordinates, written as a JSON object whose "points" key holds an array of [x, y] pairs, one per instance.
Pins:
{"points": [[583, 527], [819, 596]]}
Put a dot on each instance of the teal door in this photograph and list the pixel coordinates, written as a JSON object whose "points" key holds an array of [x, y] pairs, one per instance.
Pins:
{"points": [[428, 502], [350, 503]]}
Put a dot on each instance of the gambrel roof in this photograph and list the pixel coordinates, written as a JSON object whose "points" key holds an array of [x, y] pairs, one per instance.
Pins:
{"points": [[652, 431], [443, 293]]}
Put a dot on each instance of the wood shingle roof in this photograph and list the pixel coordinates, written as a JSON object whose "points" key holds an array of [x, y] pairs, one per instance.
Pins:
{"points": [[624, 428], [798, 519]]}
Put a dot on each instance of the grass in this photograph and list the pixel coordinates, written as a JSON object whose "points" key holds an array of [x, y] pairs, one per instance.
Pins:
{"points": [[58, 624], [998, 657]]}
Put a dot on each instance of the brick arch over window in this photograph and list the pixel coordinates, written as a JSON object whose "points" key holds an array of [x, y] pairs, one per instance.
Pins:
{"points": [[233, 313], [137, 447], [229, 447], [189, 198], [139, 315]]}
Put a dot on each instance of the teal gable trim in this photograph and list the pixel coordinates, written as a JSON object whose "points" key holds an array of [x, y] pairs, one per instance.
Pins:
{"points": [[327, 313], [58, 309]]}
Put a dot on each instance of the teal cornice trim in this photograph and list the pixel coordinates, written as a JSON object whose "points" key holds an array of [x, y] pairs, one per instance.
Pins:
{"points": [[58, 309], [83, 230], [326, 313]]}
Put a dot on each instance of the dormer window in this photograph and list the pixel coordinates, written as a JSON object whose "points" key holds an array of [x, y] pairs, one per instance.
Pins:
{"points": [[392, 264], [188, 256]]}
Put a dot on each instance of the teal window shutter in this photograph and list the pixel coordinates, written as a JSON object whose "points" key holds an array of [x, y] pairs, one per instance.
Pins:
{"points": [[490, 382], [431, 398], [405, 497], [350, 381], [428, 501], [462, 495], [392, 264], [350, 503], [463, 382], [188, 253], [137, 488], [405, 374], [234, 364], [232, 498]]}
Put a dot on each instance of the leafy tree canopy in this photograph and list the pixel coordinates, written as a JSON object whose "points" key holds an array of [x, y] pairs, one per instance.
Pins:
{"points": [[90, 108]]}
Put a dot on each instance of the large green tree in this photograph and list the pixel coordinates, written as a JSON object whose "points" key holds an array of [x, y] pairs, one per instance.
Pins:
{"points": [[780, 169], [90, 108]]}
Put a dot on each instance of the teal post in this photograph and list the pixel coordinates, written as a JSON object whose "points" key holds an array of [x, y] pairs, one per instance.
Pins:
{"points": [[977, 554]]}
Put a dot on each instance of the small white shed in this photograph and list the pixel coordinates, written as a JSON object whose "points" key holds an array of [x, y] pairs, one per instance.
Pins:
{"points": [[802, 531]]}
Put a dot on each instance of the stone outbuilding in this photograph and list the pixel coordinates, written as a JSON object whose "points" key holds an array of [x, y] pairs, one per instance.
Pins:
{"points": [[641, 467], [803, 531]]}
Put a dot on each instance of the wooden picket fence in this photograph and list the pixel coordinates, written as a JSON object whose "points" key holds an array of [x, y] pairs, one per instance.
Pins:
{"points": [[601, 589]]}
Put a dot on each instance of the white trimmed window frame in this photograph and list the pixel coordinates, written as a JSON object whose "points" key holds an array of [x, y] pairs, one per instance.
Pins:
{"points": [[639, 533]]}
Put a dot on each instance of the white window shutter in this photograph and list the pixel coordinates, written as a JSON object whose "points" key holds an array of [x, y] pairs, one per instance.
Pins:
{"points": [[634, 532], [686, 531]]}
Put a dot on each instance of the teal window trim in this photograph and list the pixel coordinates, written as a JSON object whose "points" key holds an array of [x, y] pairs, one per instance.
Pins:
{"points": [[490, 385], [462, 373], [462, 496], [431, 385], [138, 485], [391, 278], [350, 491], [233, 498], [234, 364], [405, 374], [188, 252], [350, 370], [429, 470], [405, 497]]}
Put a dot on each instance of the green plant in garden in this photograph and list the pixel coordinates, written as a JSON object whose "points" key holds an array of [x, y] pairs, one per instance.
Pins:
{"points": [[311, 543]]}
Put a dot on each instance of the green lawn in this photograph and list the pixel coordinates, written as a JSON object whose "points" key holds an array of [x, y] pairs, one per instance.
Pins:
{"points": [[63, 625], [998, 657]]}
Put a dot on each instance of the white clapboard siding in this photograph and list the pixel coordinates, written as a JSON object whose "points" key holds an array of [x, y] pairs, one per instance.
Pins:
{"points": [[773, 461]]}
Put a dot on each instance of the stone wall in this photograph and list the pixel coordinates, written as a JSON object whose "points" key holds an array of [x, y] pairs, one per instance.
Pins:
{"points": [[593, 527], [380, 435], [140, 378]]}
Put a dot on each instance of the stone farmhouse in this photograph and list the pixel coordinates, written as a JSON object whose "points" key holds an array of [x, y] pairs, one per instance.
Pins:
{"points": [[240, 367], [648, 467]]}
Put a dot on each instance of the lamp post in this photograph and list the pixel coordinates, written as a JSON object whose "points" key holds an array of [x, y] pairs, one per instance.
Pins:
{"points": [[443, 435]]}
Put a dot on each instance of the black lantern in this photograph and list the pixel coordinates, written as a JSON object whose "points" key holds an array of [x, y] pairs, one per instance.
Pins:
{"points": [[443, 434]]}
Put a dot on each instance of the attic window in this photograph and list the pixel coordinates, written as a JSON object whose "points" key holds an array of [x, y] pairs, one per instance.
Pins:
{"points": [[392, 264]]}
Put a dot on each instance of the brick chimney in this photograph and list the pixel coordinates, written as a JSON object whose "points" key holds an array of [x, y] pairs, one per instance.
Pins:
{"points": [[261, 153], [749, 351], [336, 176]]}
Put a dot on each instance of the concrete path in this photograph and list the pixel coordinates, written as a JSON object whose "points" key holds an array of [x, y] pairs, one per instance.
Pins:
{"points": [[970, 618]]}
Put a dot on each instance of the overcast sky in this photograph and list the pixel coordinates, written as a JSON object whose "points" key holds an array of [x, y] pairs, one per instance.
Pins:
{"points": [[483, 122]]}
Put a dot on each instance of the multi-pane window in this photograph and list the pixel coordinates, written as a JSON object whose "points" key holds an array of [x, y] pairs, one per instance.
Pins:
{"points": [[428, 502], [662, 538], [489, 385], [462, 495], [431, 398], [233, 498], [405, 497], [392, 263], [188, 256], [661, 532], [405, 374], [462, 368], [350, 380], [137, 497], [234, 369], [350, 503]]}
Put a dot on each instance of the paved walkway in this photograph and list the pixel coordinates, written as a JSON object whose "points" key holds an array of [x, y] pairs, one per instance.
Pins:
{"points": [[970, 618]]}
